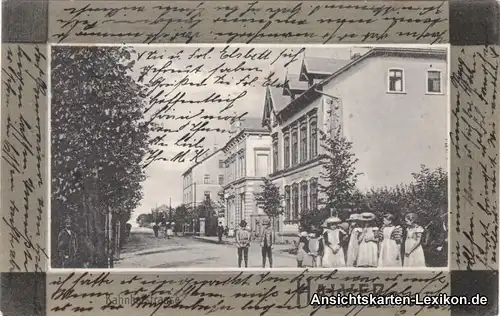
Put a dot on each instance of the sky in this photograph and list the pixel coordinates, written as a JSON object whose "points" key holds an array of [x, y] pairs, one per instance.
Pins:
{"points": [[164, 180]]}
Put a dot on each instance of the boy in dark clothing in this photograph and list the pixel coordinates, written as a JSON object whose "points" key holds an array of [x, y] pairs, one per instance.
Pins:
{"points": [[243, 243]]}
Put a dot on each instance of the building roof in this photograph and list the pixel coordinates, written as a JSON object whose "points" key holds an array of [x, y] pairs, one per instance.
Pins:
{"points": [[248, 125], [295, 84], [199, 162], [312, 93], [327, 66], [279, 100], [251, 123]]}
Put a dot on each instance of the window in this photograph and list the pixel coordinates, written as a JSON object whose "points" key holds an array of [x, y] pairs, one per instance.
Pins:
{"points": [[242, 165], [286, 145], [221, 179], [275, 154], [295, 149], [433, 81], [295, 201], [235, 174], [262, 165], [288, 214], [221, 164], [242, 205], [303, 197], [395, 80], [206, 179], [207, 195], [313, 130], [313, 194], [303, 143]]}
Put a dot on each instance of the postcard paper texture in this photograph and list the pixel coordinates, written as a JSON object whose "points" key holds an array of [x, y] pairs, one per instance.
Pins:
{"points": [[24, 157], [319, 22]]}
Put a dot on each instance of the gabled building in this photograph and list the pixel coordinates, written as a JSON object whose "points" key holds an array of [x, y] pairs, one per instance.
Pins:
{"points": [[247, 160], [390, 102]]}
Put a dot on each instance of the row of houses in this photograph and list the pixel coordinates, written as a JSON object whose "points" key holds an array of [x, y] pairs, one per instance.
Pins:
{"points": [[390, 102]]}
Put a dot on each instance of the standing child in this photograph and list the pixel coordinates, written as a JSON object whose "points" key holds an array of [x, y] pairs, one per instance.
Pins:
{"points": [[243, 239], [316, 247], [414, 253], [367, 239], [302, 249], [353, 246], [390, 243], [267, 243], [334, 253]]}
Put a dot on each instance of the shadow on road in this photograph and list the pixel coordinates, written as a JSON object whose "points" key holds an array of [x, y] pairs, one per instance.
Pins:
{"points": [[160, 251], [179, 264]]}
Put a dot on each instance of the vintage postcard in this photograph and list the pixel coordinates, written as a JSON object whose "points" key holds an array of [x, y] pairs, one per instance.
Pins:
{"points": [[233, 156], [249, 157]]}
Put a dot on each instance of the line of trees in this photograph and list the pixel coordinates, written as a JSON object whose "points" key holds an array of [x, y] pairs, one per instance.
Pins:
{"points": [[98, 139]]}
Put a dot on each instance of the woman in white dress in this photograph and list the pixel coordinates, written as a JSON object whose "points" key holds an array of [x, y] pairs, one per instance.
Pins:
{"points": [[332, 237], [390, 243], [368, 242], [353, 245], [414, 253]]}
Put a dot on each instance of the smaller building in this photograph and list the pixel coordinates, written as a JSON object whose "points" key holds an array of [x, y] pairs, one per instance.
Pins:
{"points": [[247, 161], [204, 179]]}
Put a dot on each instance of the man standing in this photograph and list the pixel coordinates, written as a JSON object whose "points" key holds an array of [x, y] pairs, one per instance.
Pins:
{"points": [[155, 229], [220, 232], [66, 245], [243, 243], [267, 243]]}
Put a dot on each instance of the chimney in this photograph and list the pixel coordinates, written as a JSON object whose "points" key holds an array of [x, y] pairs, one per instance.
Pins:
{"points": [[355, 56]]}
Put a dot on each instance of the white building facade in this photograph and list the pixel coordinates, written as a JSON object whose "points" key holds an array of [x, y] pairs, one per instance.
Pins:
{"points": [[247, 159], [391, 104]]}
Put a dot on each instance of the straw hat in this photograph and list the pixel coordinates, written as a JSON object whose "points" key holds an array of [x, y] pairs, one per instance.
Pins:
{"points": [[354, 217], [367, 216], [331, 220], [303, 234]]}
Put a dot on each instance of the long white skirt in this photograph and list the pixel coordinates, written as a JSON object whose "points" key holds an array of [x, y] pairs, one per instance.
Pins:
{"points": [[333, 260]]}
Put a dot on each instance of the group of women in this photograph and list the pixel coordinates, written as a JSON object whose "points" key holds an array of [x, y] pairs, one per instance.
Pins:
{"points": [[358, 242]]}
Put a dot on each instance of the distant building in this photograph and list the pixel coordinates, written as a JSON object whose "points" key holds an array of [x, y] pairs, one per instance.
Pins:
{"points": [[391, 103], [203, 179], [247, 157]]}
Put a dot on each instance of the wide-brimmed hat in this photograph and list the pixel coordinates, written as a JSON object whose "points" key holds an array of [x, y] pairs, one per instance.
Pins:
{"points": [[354, 217], [243, 223], [67, 220], [332, 220], [367, 216], [303, 234]]}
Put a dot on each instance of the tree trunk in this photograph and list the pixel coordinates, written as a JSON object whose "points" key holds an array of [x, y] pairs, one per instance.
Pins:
{"points": [[273, 223]]}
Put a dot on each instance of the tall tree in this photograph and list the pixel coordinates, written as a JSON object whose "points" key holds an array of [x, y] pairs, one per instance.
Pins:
{"points": [[99, 138], [339, 176], [270, 200]]}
